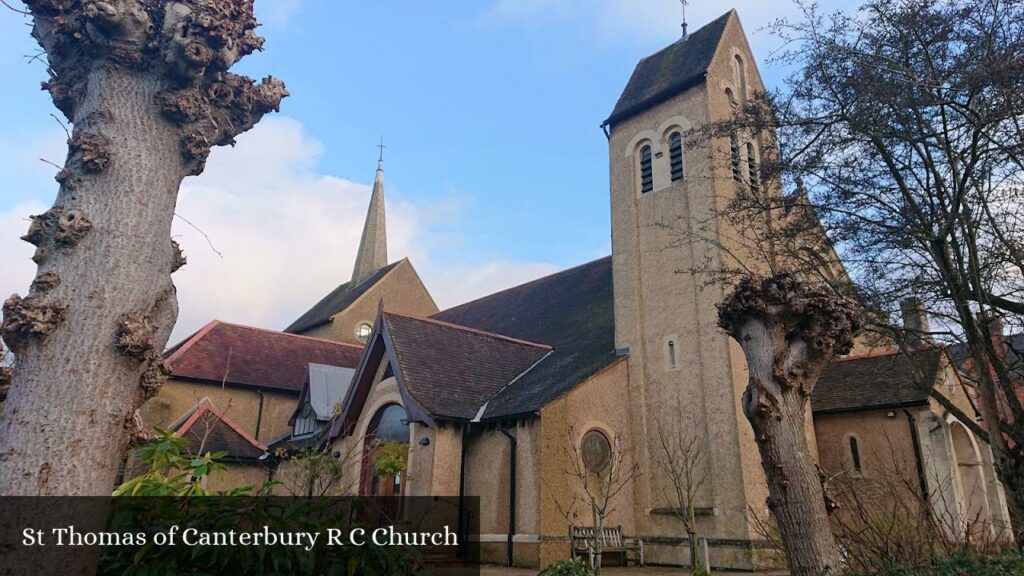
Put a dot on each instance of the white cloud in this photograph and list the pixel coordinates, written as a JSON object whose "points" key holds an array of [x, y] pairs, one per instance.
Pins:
{"points": [[16, 266], [287, 235], [464, 283]]}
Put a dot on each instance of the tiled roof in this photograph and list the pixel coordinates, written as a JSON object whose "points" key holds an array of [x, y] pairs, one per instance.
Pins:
{"points": [[209, 430], [247, 356], [572, 311], [670, 71], [878, 381], [337, 300], [452, 370]]}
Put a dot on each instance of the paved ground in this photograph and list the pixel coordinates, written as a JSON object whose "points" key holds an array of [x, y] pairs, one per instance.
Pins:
{"points": [[617, 571]]}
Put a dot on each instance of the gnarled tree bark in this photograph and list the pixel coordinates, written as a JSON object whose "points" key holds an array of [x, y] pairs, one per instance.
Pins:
{"points": [[789, 332], [146, 85]]}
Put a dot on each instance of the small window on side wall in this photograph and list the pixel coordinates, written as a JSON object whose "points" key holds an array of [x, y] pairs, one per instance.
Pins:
{"points": [[856, 465], [646, 170], [675, 152]]}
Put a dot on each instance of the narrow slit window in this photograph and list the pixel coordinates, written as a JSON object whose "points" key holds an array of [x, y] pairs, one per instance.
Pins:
{"points": [[671, 354], [855, 455], [753, 169], [646, 170], [734, 153], [741, 77], [675, 152]]}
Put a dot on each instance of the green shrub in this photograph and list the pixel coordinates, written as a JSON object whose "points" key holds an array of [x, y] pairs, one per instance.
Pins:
{"points": [[1006, 564], [566, 568]]}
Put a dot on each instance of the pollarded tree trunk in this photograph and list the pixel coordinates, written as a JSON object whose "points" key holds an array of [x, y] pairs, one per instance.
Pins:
{"points": [[146, 86], [789, 333]]}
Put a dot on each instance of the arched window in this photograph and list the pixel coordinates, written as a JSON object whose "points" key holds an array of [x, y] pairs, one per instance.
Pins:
{"points": [[731, 96], [741, 77], [855, 462], [390, 425], [675, 153], [646, 170], [753, 168], [671, 354], [734, 157]]}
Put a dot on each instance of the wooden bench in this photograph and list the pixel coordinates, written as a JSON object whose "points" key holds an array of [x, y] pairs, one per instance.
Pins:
{"points": [[581, 543]]}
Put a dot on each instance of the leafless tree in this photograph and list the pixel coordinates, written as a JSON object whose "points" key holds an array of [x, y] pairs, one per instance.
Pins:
{"points": [[789, 332], [899, 139], [595, 484], [317, 471], [146, 86], [679, 455]]}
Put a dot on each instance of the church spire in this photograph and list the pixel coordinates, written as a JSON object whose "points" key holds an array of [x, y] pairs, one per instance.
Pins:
{"points": [[373, 248]]}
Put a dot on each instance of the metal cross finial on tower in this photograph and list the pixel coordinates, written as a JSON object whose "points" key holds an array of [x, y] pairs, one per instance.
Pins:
{"points": [[685, 3], [382, 147]]}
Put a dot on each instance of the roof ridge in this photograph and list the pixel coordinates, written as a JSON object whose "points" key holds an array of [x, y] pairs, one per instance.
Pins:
{"points": [[891, 352], [462, 328], [206, 405], [524, 284], [289, 334], [180, 348], [348, 286], [483, 407], [688, 35]]}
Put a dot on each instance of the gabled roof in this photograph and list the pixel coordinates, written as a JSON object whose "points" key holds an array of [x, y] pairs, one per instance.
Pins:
{"points": [[452, 370], [325, 387], [670, 71], [443, 371], [572, 311], [246, 356], [337, 300], [877, 381], [208, 429]]}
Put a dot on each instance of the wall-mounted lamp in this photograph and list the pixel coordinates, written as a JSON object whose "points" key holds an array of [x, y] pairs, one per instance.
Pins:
{"points": [[424, 442]]}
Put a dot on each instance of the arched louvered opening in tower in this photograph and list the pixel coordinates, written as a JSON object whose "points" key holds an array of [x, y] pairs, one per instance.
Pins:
{"points": [[646, 170], [675, 153]]}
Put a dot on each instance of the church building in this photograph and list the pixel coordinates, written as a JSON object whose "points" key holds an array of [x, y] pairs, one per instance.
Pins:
{"points": [[590, 368]]}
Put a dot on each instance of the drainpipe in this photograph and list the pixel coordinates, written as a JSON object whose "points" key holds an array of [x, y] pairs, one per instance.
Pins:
{"points": [[461, 550], [513, 444], [259, 414], [919, 460]]}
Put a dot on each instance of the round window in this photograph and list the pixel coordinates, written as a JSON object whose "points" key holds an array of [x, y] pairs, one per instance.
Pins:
{"points": [[363, 331], [597, 451]]}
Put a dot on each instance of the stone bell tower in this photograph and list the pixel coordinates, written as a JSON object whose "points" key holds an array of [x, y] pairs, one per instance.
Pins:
{"points": [[685, 375]]}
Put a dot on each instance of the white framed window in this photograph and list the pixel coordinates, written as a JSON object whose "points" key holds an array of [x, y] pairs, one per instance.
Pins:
{"points": [[363, 331]]}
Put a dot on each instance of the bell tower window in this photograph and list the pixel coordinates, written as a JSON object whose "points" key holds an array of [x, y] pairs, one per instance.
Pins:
{"points": [[734, 158], [675, 152], [753, 169], [646, 170]]}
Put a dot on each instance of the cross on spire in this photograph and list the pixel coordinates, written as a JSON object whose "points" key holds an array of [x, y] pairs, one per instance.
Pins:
{"points": [[382, 147], [685, 3]]}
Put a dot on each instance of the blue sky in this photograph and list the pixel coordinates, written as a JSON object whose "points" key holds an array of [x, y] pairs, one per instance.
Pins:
{"points": [[496, 168]]}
